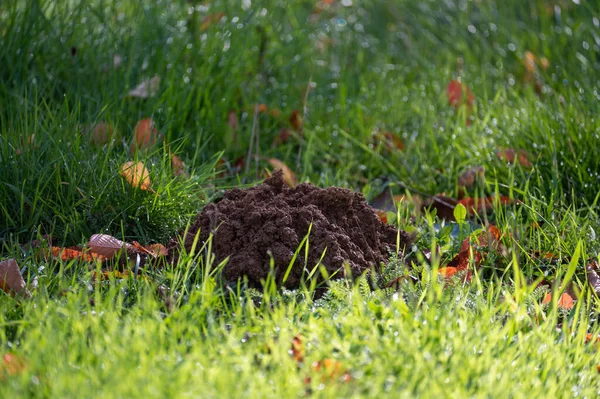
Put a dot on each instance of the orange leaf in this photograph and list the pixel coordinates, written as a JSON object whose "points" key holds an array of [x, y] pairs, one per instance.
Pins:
{"points": [[11, 280], [565, 301], [298, 348], [393, 142], [11, 365], [144, 135], [296, 120], [178, 166], [102, 133], [288, 176], [68, 254], [509, 155], [157, 250], [530, 61], [137, 175], [448, 271], [382, 215], [106, 245], [459, 94], [479, 205]]}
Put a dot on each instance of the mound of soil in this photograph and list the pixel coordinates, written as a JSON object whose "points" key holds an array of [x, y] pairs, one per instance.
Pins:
{"points": [[270, 220]]}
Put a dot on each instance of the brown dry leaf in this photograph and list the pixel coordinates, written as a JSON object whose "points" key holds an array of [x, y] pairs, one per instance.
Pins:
{"points": [[509, 155], [470, 176], [288, 176], [297, 350], [144, 135], [593, 277], [210, 20], [11, 280], [148, 88], [137, 175], [106, 245], [157, 250], [232, 121], [178, 166], [296, 120], [530, 62], [102, 133]]}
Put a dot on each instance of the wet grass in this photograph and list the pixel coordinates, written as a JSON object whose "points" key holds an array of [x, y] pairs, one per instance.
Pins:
{"points": [[353, 71]]}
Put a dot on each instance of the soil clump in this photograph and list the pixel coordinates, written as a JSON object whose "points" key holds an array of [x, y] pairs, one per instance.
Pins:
{"points": [[268, 221]]}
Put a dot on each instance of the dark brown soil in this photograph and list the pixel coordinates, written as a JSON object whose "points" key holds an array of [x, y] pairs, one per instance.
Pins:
{"points": [[251, 225]]}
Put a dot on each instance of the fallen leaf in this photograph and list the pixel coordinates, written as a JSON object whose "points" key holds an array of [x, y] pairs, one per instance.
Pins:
{"points": [[106, 245], [11, 365], [444, 206], [509, 154], [148, 88], [178, 166], [11, 280], [157, 250], [592, 277], [288, 176], [136, 174], [111, 274], [210, 20], [480, 205], [384, 201], [282, 138], [74, 253], [565, 301], [459, 94], [296, 120], [393, 142], [102, 133], [144, 135], [262, 108], [470, 176], [530, 62], [297, 350], [448, 271], [232, 121]]}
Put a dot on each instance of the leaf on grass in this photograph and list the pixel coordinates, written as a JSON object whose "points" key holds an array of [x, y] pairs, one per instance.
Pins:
{"points": [[210, 20], [448, 271], [296, 120], [297, 350], [443, 205], [144, 135], [393, 142], [136, 174], [11, 280], [75, 253], [592, 277], [480, 205], [288, 176], [148, 88], [106, 245], [470, 176], [459, 94], [232, 121], [102, 133], [178, 166], [11, 365], [157, 250], [565, 301], [384, 201], [509, 154], [329, 369]]}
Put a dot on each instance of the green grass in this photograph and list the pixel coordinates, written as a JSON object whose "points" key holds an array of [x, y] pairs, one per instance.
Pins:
{"points": [[370, 67]]}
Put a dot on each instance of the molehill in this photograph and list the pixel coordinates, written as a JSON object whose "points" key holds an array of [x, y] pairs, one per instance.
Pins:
{"points": [[251, 226]]}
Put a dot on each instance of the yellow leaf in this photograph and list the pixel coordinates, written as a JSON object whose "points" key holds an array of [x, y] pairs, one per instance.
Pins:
{"points": [[288, 176], [137, 175]]}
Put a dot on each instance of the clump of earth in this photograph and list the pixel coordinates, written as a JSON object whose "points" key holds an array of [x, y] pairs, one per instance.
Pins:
{"points": [[267, 223]]}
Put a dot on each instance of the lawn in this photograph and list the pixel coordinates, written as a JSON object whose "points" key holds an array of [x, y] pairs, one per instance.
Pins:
{"points": [[415, 102]]}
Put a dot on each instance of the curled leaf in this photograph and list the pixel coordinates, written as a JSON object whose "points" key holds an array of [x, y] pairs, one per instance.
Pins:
{"points": [[136, 174], [144, 135], [148, 88], [102, 133], [106, 245], [11, 280], [288, 176]]}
